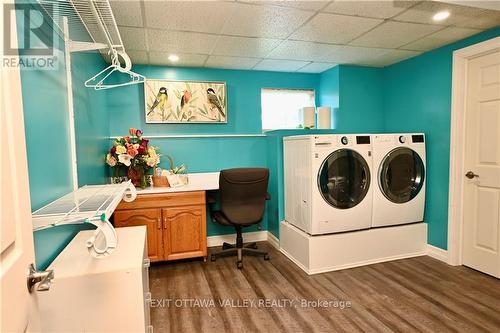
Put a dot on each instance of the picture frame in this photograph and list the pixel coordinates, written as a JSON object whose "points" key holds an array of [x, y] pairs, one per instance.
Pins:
{"points": [[185, 102]]}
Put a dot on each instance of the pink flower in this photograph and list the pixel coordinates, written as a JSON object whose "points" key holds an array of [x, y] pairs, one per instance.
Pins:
{"points": [[138, 133], [132, 151]]}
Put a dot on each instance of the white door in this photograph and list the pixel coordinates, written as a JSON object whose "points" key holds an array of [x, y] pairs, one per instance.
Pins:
{"points": [[481, 232], [18, 308]]}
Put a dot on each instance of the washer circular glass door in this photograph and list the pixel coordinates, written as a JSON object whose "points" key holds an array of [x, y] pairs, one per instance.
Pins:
{"points": [[344, 178], [401, 175]]}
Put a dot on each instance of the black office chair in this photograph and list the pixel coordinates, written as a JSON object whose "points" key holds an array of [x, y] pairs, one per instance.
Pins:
{"points": [[242, 196]]}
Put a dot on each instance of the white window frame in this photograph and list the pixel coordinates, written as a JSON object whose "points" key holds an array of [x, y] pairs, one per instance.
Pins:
{"points": [[263, 90]]}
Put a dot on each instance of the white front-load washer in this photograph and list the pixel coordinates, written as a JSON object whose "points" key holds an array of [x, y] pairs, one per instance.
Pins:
{"points": [[399, 168], [328, 182]]}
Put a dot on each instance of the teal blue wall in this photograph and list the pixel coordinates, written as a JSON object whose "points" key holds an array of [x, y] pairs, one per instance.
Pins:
{"points": [[47, 139], [329, 91], [361, 100], [417, 98], [91, 119], [126, 109]]}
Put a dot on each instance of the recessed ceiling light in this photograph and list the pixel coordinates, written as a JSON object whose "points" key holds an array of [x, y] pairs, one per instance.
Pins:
{"points": [[173, 57], [439, 16]]}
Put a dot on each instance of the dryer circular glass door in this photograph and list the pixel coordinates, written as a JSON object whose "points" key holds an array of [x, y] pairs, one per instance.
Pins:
{"points": [[401, 175], [344, 178]]}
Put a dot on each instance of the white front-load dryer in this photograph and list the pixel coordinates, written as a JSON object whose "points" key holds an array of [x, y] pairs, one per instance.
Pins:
{"points": [[399, 168], [328, 182]]}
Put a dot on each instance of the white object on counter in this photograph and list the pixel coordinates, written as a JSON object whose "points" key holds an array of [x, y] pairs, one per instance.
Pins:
{"points": [[324, 117], [110, 294], [203, 181], [308, 115]]}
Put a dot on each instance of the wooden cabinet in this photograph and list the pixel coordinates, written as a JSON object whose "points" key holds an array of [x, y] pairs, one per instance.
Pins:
{"points": [[176, 223], [151, 218], [184, 232]]}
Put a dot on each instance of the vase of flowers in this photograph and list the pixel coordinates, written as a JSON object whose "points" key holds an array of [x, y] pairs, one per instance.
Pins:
{"points": [[133, 154]]}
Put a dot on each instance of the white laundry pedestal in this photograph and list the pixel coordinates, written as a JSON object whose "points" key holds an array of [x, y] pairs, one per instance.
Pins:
{"points": [[331, 252]]}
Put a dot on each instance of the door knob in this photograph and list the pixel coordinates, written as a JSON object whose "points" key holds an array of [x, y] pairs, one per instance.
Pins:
{"points": [[471, 175], [43, 278]]}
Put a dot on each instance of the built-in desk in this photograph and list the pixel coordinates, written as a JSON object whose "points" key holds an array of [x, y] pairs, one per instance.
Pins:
{"points": [[175, 218]]}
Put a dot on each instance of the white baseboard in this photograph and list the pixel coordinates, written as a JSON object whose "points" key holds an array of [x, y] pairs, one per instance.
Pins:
{"points": [[437, 253], [273, 240], [254, 236]]}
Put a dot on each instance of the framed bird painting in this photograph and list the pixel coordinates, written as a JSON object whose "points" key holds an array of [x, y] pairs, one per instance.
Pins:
{"points": [[185, 101]]}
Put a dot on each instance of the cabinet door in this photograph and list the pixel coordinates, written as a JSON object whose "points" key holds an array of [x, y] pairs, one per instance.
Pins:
{"points": [[151, 218], [185, 232]]}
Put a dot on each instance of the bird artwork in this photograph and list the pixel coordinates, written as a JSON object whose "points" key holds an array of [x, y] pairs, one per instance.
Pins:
{"points": [[160, 101], [168, 101], [186, 96], [213, 100]]}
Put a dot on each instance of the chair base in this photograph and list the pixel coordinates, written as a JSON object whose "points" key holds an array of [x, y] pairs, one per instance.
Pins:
{"points": [[233, 250]]}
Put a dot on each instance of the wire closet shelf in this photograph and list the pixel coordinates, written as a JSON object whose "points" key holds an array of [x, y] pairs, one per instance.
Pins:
{"points": [[92, 204], [93, 24]]}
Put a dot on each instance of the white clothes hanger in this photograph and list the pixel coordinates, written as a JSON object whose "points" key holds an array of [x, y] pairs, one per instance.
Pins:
{"points": [[98, 81]]}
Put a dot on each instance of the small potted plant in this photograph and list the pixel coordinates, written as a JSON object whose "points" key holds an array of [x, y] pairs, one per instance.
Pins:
{"points": [[133, 154], [177, 174]]}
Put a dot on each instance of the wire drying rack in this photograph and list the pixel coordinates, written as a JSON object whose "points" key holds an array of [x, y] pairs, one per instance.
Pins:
{"points": [[92, 204]]}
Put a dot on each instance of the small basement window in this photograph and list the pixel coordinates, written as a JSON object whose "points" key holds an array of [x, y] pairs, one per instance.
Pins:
{"points": [[281, 107]]}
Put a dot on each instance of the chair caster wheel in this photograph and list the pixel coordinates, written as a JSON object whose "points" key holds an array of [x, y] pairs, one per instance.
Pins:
{"points": [[239, 264], [213, 258], [266, 257]]}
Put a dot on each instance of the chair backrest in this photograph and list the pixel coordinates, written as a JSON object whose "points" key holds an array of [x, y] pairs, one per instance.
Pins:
{"points": [[243, 193]]}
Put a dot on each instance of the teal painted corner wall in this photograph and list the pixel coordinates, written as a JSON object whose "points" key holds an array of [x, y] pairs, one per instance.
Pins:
{"points": [[361, 94], [329, 87], [47, 138], [91, 119], [417, 98]]}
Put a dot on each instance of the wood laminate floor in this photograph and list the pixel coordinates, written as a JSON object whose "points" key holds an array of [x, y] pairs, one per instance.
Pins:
{"points": [[410, 295]]}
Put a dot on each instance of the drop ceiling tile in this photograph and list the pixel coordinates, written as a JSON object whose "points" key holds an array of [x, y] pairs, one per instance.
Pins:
{"points": [[394, 34], [127, 13], [280, 65], [305, 51], [306, 5], [133, 38], [180, 42], [440, 38], [460, 15], [345, 54], [253, 20], [138, 57], [316, 67], [200, 16], [484, 19], [231, 62], [190, 60], [331, 28], [244, 46], [391, 57], [376, 9]]}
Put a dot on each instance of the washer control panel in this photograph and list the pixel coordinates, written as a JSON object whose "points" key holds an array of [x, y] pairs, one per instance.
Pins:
{"points": [[402, 139], [344, 140]]}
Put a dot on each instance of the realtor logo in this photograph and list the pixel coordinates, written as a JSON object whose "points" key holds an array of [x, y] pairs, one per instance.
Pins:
{"points": [[35, 36]]}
